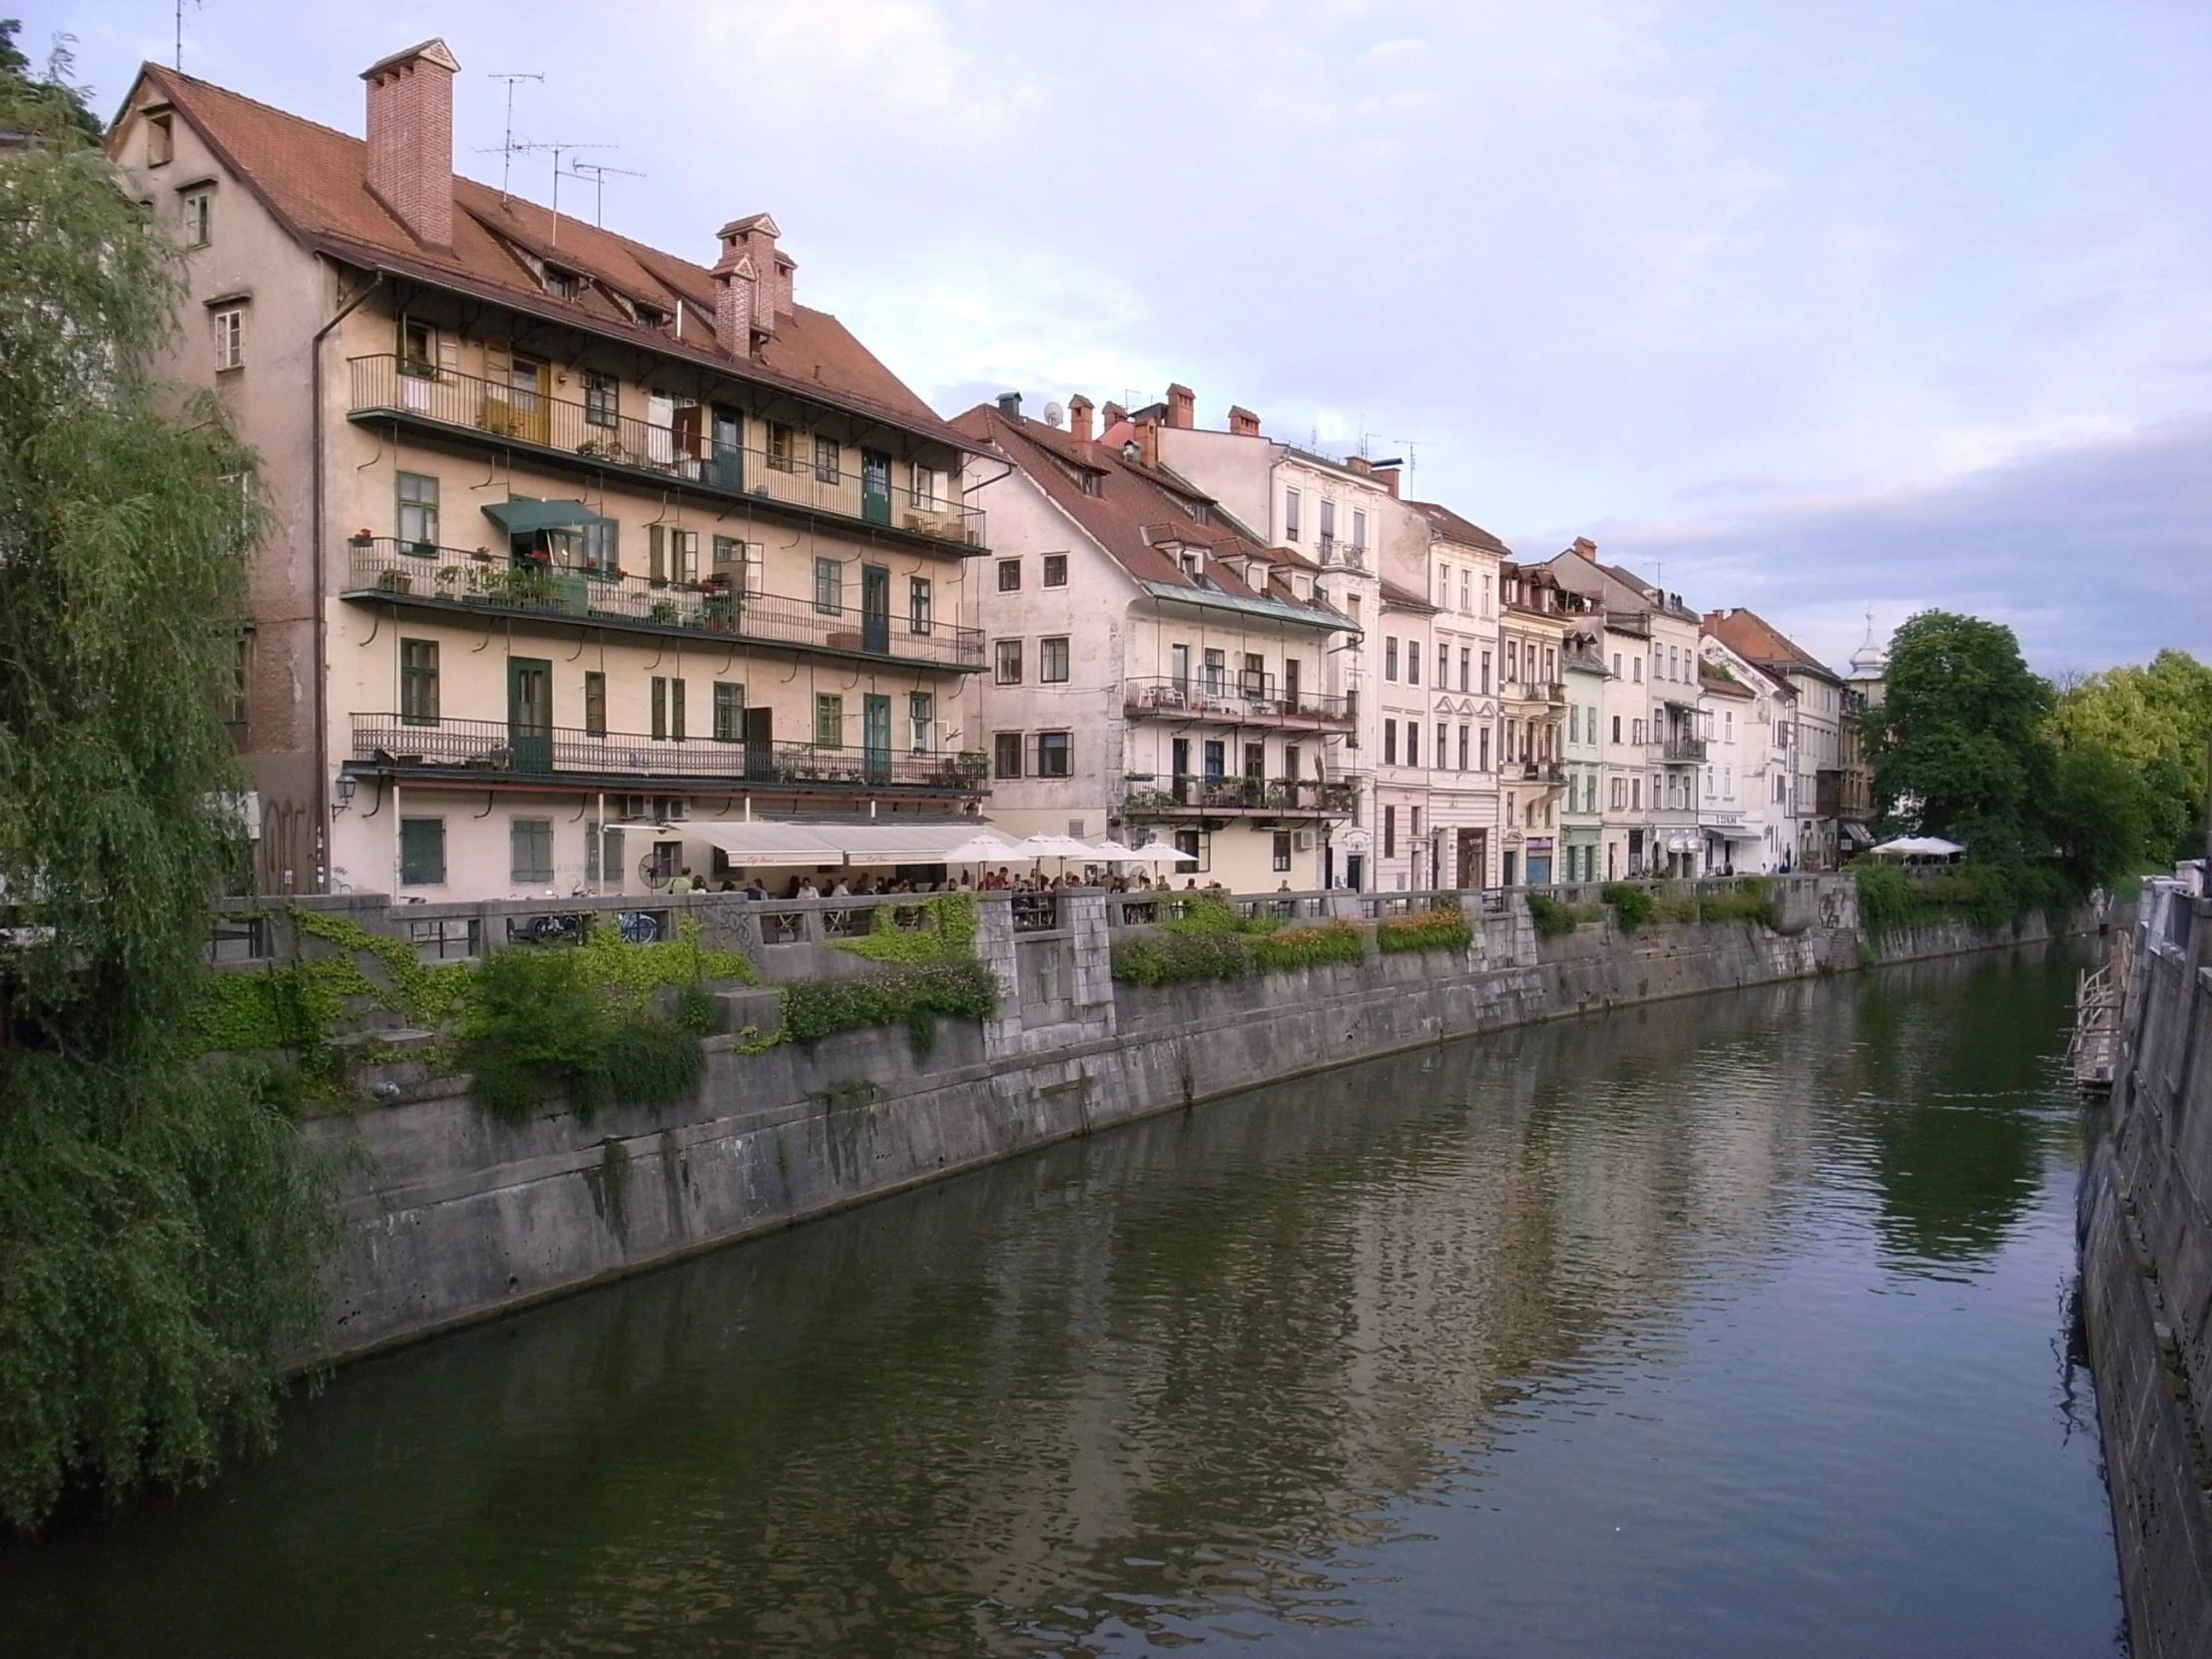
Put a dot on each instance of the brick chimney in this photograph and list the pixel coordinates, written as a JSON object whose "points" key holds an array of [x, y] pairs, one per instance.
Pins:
{"points": [[1115, 416], [411, 139], [1243, 422], [1586, 547], [1148, 442], [1357, 463], [753, 240], [1387, 476], [1182, 407], [737, 292], [1079, 418]]}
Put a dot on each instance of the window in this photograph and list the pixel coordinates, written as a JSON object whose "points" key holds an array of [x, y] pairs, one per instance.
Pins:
{"points": [[1052, 661], [1289, 515], [1413, 743], [1389, 832], [1465, 731], [529, 850], [1009, 662], [828, 468], [668, 708], [1727, 782], [199, 211], [1616, 727], [419, 682], [1637, 665], [1389, 743], [1291, 755], [1194, 846], [1214, 672], [1281, 851], [1574, 723], [828, 587], [921, 715], [1512, 660], [160, 139], [920, 597], [595, 703], [1055, 570], [230, 338], [418, 513], [1443, 584], [672, 555], [1465, 607], [729, 711], [598, 548], [421, 851], [1009, 575], [417, 349], [1441, 751], [1444, 667], [930, 494], [1486, 674], [1179, 667], [783, 445], [1007, 755], [1390, 657], [600, 395], [828, 720], [1728, 725], [1712, 782], [742, 562], [1214, 756], [1358, 528], [1483, 740], [1055, 755], [1413, 662], [1328, 523]]}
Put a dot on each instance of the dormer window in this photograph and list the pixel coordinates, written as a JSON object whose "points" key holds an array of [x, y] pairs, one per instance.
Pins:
{"points": [[651, 317], [562, 285], [160, 139], [1192, 566], [1094, 483]]}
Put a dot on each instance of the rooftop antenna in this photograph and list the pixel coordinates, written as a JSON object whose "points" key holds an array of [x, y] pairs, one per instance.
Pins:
{"points": [[181, 32], [559, 147], [1413, 448], [507, 145], [596, 173]]}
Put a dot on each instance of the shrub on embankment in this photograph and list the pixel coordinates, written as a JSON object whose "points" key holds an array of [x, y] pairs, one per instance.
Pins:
{"points": [[1424, 930], [1212, 941], [1981, 895]]}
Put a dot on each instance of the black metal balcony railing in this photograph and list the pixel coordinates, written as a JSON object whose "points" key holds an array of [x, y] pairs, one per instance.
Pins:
{"points": [[392, 568], [1189, 794], [1682, 749], [490, 745], [1233, 697], [1542, 772], [686, 449]]}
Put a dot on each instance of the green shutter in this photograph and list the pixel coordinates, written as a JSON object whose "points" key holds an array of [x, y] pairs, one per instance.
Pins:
{"points": [[421, 851]]}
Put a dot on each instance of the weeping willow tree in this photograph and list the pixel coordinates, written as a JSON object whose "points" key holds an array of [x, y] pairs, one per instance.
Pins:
{"points": [[160, 1219]]}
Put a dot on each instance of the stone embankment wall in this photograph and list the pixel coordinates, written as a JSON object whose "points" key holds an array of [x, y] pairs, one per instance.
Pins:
{"points": [[2146, 1277], [453, 1217]]}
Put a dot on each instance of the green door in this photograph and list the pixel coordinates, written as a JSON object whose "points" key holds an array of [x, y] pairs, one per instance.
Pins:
{"points": [[876, 610], [875, 486], [875, 736], [530, 714]]}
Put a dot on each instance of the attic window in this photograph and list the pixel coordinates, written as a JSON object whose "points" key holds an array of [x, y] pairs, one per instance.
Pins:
{"points": [[651, 317], [1094, 483], [562, 285], [160, 139], [1191, 564]]}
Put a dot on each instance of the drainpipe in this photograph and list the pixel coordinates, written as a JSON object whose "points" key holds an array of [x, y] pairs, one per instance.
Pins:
{"points": [[321, 623]]}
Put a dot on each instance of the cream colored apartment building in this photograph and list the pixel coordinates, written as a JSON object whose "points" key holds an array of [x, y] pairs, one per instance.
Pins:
{"points": [[570, 532]]}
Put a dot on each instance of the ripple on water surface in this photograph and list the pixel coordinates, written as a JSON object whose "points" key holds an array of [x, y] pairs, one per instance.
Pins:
{"points": [[1727, 1325]]}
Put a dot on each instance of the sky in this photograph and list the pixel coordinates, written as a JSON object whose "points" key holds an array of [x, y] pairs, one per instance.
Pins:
{"points": [[1820, 308]]}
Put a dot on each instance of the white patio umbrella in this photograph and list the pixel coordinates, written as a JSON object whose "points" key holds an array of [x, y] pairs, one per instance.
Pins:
{"points": [[981, 849], [1054, 847], [1919, 847], [1156, 854]]}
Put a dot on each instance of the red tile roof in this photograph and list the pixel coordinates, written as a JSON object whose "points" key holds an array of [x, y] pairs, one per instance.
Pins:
{"points": [[1755, 639], [312, 178], [1444, 523], [1137, 509]]}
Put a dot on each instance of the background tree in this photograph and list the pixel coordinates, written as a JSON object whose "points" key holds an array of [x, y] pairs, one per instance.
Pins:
{"points": [[160, 1222], [2156, 721], [1956, 744]]}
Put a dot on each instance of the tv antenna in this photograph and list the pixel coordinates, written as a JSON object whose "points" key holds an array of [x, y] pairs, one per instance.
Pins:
{"points": [[181, 31], [1413, 448], [507, 145], [594, 174], [559, 148]]}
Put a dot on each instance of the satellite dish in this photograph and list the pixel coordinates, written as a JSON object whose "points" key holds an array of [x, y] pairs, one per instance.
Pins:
{"points": [[1054, 414]]}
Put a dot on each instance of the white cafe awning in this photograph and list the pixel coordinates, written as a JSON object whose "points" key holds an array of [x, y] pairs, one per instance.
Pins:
{"points": [[861, 842]]}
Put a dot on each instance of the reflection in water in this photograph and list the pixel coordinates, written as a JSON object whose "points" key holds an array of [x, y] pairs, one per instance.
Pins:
{"points": [[1558, 1340]]}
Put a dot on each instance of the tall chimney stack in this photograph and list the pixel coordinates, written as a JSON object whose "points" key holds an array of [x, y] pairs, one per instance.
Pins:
{"points": [[411, 139], [737, 292], [1079, 418], [1586, 547], [1243, 422], [1148, 442], [1182, 407], [753, 236], [1388, 477]]}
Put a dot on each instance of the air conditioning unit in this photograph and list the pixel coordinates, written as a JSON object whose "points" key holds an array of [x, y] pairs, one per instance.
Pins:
{"points": [[668, 808], [1301, 841], [634, 807]]}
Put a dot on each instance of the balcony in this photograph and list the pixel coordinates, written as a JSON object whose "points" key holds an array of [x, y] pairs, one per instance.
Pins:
{"points": [[1241, 699], [391, 388], [415, 574], [1679, 751], [476, 750], [1554, 692], [1189, 797], [1540, 772]]}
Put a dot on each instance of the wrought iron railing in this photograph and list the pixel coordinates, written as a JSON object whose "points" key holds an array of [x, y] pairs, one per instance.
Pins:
{"points": [[686, 448], [1542, 772], [1232, 697], [498, 746], [1184, 795], [1682, 749], [387, 565]]}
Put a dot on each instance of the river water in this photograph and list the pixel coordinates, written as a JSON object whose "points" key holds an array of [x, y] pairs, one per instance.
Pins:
{"points": [[1730, 1325]]}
